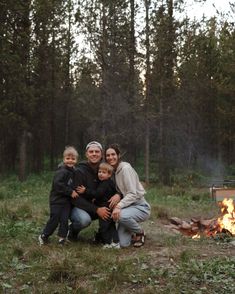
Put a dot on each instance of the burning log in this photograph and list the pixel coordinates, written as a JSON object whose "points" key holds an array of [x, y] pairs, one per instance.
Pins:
{"points": [[197, 227]]}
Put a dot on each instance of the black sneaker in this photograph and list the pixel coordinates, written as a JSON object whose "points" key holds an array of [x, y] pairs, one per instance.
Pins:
{"points": [[62, 242], [72, 236], [43, 240], [97, 238]]}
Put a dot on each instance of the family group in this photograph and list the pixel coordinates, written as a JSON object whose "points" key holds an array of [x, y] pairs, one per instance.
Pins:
{"points": [[106, 189]]}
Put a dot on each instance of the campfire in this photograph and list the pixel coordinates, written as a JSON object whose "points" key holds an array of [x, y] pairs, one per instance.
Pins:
{"points": [[198, 227]]}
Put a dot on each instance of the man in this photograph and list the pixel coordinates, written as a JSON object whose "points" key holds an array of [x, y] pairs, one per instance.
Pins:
{"points": [[85, 210]]}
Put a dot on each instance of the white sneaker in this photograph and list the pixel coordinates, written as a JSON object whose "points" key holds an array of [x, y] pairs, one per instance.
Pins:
{"points": [[107, 246], [112, 245], [42, 239], [115, 245]]}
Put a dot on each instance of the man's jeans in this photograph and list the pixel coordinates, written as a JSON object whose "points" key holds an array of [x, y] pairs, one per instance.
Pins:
{"points": [[80, 219], [128, 223]]}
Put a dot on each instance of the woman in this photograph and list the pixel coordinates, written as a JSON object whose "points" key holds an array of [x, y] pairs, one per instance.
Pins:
{"points": [[132, 208]]}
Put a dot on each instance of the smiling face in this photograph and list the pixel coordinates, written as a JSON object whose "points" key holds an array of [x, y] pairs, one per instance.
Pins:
{"points": [[70, 160], [93, 154], [112, 157]]}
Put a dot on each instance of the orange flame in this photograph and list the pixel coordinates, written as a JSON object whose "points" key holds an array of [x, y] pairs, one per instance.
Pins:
{"points": [[196, 236], [227, 220]]}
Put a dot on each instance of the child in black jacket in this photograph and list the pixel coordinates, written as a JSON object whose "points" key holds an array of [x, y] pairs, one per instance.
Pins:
{"points": [[60, 198], [101, 196]]}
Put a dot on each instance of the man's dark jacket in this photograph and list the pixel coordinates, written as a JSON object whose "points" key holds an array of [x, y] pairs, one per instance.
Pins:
{"points": [[85, 175], [62, 185]]}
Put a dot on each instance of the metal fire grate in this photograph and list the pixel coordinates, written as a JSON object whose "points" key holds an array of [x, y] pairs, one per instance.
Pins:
{"points": [[223, 189]]}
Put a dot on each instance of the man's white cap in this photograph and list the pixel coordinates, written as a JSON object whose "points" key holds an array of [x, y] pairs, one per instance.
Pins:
{"points": [[94, 143]]}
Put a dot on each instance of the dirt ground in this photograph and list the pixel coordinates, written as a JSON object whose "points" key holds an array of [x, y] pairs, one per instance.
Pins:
{"points": [[166, 246]]}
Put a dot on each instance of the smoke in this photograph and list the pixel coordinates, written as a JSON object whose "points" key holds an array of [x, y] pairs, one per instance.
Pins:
{"points": [[212, 167]]}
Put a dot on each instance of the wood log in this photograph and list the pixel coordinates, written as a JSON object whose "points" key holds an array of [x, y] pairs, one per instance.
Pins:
{"points": [[175, 220], [206, 222], [185, 226]]}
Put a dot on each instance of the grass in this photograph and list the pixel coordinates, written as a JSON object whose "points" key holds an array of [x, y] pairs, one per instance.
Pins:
{"points": [[168, 263]]}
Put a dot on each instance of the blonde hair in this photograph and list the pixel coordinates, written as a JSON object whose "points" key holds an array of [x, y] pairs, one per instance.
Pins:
{"points": [[70, 150], [107, 167]]}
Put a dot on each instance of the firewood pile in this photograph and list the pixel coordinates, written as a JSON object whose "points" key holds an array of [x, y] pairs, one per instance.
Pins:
{"points": [[195, 227]]}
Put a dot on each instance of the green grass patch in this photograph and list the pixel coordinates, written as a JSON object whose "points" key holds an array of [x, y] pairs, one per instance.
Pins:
{"points": [[168, 263]]}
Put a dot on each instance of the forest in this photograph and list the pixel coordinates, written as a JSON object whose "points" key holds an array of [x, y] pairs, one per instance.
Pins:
{"points": [[138, 73]]}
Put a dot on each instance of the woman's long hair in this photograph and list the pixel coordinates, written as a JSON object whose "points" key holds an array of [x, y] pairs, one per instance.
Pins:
{"points": [[116, 148]]}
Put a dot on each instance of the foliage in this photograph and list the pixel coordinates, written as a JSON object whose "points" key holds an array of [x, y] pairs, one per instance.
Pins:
{"points": [[74, 71]]}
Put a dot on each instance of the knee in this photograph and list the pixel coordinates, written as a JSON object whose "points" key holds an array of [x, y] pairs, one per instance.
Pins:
{"points": [[124, 219], [85, 221], [74, 215], [80, 224], [80, 219]]}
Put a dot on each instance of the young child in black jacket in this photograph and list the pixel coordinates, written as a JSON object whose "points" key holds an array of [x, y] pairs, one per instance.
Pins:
{"points": [[60, 197], [101, 196]]}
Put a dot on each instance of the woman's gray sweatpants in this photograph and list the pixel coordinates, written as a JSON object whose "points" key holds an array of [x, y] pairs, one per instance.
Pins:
{"points": [[130, 217]]}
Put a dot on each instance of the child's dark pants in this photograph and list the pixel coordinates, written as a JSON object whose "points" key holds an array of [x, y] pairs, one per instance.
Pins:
{"points": [[108, 232], [59, 215]]}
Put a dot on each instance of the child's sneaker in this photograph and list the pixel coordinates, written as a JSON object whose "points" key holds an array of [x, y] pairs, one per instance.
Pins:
{"points": [[43, 240], [112, 245], [62, 242], [107, 246], [115, 245], [72, 236]]}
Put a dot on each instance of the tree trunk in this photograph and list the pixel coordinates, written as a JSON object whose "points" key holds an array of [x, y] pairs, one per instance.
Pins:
{"points": [[166, 96], [132, 55], [22, 156], [52, 108], [68, 79], [147, 92], [104, 69]]}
